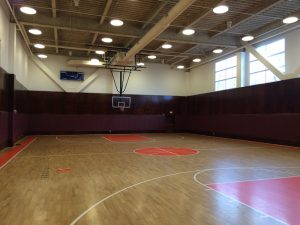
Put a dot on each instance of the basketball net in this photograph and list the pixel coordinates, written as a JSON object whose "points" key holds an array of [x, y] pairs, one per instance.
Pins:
{"points": [[122, 108]]}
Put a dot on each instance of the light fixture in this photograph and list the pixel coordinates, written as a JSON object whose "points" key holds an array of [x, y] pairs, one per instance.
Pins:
{"points": [[247, 38], [218, 51], [180, 67], [290, 19], [140, 64], [28, 10], [35, 31], [116, 22], [42, 56], [188, 31], [107, 40], [95, 61], [151, 56], [39, 46], [221, 9], [166, 46], [196, 60], [100, 52]]}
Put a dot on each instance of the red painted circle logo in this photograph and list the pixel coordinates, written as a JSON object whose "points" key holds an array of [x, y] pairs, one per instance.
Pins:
{"points": [[166, 151]]}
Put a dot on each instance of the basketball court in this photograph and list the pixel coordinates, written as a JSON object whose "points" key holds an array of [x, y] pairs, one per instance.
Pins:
{"points": [[154, 179], [149, 112]]}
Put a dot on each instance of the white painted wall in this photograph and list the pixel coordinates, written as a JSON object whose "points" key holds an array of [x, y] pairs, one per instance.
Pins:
{"points": [[13, 53], [20, 63], [4, 38], [292, 51], [39, 81], [201, 79], [156, 79]]}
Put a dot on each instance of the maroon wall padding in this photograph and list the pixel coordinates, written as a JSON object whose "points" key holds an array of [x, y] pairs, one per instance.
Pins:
{"points": [[42, 102], [6, 108], [279, 128], [3, 129], [74, 123], [268, 112], [20, 126]]}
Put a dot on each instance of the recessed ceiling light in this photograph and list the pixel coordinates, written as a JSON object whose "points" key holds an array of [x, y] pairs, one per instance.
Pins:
{"points": [[291, 19], [140, 64], [116, 22], [28, 10], [218, 51], [107, 40], [188, 31], [221, 9], [166, 46], [42, 56], [35, 31], [39, 46], [180, 67], [100, 52], [196, 60], [247, 38], [95, 61], [151, 56]]}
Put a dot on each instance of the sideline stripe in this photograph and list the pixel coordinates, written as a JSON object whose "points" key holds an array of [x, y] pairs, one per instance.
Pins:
{"points": [[11, 154]]}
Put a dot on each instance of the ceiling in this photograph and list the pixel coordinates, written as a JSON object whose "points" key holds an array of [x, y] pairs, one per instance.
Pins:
{"points": [[76, 29]]}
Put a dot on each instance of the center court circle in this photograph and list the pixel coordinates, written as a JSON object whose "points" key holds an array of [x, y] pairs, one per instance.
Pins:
{"points": [[166, 151]]}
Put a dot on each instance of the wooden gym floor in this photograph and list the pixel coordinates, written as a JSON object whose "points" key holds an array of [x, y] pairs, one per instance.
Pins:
{"points": [[92, 179]]}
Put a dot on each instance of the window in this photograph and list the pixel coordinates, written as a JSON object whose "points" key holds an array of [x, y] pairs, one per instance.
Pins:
{"points": [[275, 54], [225, 74]]}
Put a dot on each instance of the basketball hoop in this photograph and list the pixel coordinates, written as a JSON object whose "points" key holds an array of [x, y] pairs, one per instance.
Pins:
{"points": [[121, 102]]}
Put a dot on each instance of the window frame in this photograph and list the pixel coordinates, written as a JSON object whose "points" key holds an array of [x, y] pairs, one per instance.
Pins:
{"points": [[266, 70], [225, 69]]}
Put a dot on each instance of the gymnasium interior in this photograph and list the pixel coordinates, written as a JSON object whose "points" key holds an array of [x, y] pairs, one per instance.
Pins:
{"points": [[149, 112]]}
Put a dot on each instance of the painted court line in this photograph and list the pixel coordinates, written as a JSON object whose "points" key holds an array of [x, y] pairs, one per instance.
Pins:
{"points": [[84, 142], [172, 153], [86, 154], [131, 138], [11, 154], [242, 181], [129, 142], [179, 173]]}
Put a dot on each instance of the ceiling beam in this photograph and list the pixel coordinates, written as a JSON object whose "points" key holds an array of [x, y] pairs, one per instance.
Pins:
{"points": [[186, 51], [102, 19], [161, 7], [158, 28], [93, 41], [243, 18], [155, 14], [272, 27], [178, 61], [89, 25], [270, 32], [56, 39], [105, 11], [92, 49], [201, 17], [76, 3], [53, 6]]}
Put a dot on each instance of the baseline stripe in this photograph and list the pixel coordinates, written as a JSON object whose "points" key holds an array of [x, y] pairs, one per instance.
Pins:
{"points": [[11, 154]]}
